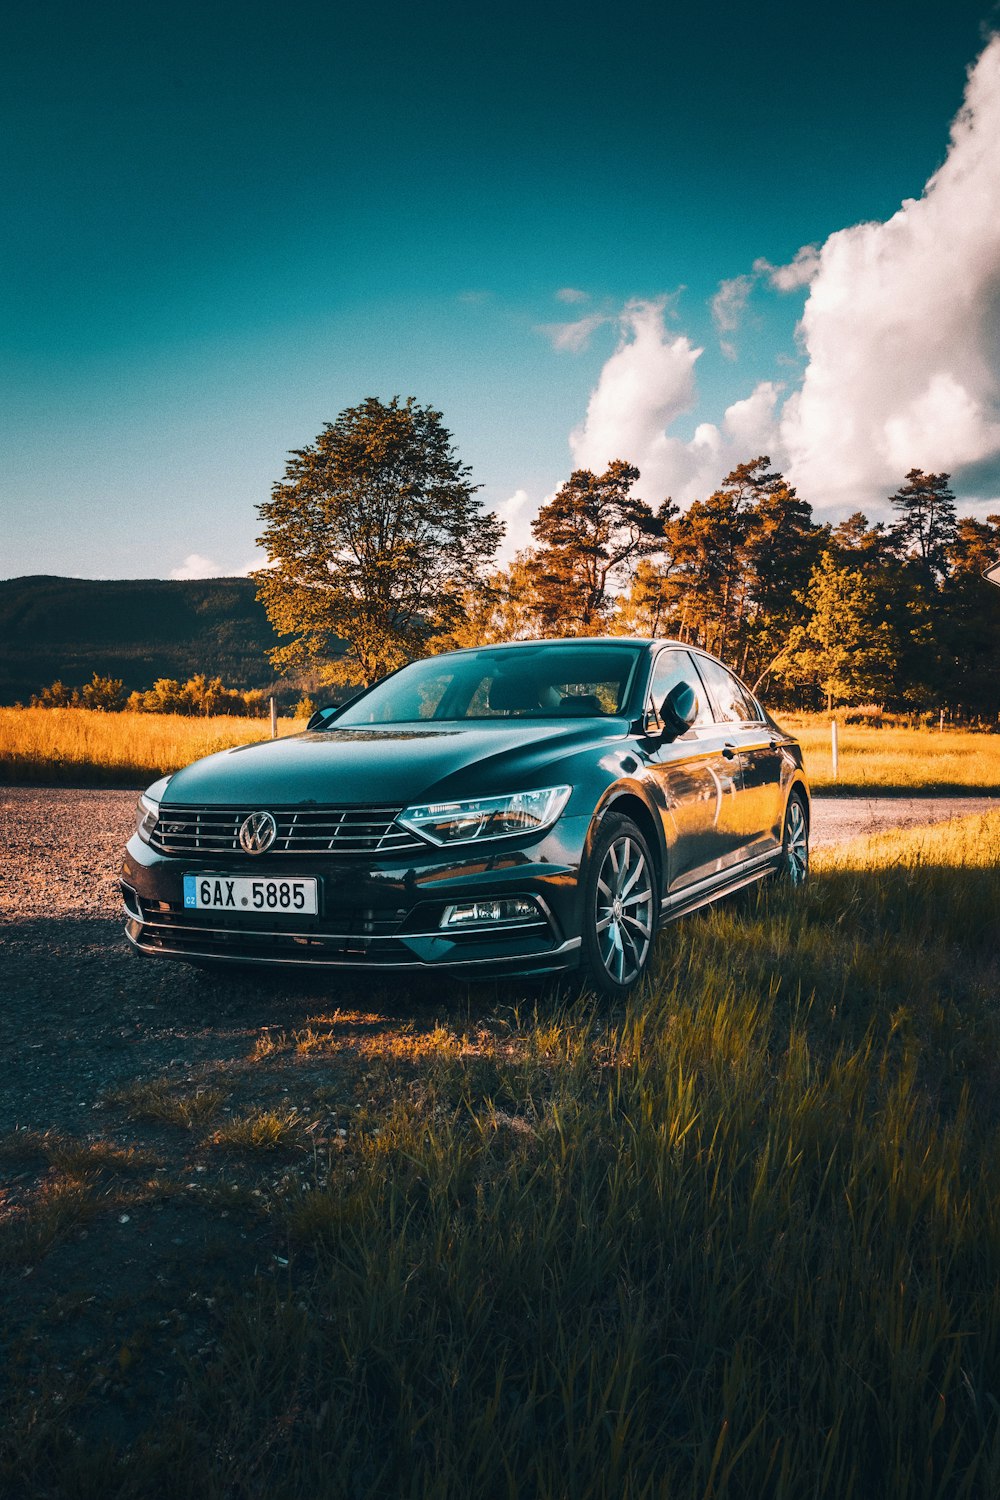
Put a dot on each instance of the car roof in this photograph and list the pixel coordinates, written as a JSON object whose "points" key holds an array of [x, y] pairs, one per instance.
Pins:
{"points": [[570, 640]]}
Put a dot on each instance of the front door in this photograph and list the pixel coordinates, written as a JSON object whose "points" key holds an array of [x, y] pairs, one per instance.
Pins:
{"points": [[697, 778]]}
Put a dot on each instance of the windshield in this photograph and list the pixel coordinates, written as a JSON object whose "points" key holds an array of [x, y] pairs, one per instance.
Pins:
{"points": [[570, 680]]}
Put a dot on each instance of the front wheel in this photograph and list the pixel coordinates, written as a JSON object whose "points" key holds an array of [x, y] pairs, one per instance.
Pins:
{"points": [[621, 906], [795, 842]]}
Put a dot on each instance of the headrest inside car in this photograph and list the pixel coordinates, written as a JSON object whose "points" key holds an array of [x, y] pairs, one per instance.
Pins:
{"points": [[509, 694], [581, 703]]}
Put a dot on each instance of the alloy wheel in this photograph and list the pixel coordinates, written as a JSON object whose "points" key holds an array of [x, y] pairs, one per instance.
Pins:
{"points": [[624, 910], [796, 843]]}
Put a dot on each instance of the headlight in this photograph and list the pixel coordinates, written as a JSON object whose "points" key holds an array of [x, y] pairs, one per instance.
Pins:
{"points": [[146, 815], [486, 817]]}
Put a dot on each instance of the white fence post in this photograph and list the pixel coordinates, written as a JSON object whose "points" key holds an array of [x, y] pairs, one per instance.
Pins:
{"points": [[274, 719], [834, 749]]}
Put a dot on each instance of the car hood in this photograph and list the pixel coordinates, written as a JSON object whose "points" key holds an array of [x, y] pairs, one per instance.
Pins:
{"points": [[390, 767]]}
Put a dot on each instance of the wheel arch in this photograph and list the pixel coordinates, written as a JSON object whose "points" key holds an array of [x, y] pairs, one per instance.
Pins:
{"points": [[628, 802], [798, 784]]}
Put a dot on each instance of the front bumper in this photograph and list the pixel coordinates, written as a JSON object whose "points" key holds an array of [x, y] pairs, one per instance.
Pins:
{"points": [[373, 913]]}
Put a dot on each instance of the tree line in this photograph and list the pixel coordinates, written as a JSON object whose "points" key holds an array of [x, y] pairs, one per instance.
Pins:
{"points": [[379, 551], [200, 696]]}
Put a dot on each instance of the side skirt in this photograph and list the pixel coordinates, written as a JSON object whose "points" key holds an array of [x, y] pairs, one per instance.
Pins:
{"points": [[707, 891]]}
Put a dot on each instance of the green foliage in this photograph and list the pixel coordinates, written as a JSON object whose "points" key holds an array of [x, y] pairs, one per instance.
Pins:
{"points": [[373, 538], [56, 696], [105, 694], [199, 695], [843, 647], [733, 571]]}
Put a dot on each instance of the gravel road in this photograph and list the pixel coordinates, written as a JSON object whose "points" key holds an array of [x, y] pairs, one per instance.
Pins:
{"points": [[80, 1014], [835, 819]]}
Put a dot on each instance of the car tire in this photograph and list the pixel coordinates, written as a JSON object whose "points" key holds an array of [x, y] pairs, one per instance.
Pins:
{"points": [[620, 908], [794, 867]]}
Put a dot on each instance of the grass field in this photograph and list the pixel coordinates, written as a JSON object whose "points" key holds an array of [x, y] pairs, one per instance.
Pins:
{"points": [[74, 747], [906, 760], [740, 1238]]}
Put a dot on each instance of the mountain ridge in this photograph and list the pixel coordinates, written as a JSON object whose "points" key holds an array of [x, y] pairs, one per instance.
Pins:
{"points": [[137, 629]]}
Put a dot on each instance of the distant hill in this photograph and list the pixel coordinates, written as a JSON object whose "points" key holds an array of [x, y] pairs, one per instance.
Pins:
{"points": [[136, 629]]}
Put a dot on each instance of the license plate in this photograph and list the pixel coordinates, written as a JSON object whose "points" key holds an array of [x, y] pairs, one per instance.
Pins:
{"points": [[246, 893]]}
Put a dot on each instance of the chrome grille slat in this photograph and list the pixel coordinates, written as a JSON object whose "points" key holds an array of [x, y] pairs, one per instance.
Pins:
{"points": [[341, 830]]}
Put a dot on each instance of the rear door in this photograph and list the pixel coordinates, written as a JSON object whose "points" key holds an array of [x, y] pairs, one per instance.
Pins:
{"points": [[696, 779]]}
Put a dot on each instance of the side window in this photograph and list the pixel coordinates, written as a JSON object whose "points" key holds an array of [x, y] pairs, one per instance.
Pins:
{"points": [[670, 668], [753, 713], [733, 703]]}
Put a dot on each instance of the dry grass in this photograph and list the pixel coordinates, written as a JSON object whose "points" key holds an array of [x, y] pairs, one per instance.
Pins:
{"points": [[77, 747], [901, 759], [262, 1130], [159, 1100]]}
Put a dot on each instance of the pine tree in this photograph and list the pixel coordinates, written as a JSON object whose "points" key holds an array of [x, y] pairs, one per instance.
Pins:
{"points": [[926, 526], [592, 533]]}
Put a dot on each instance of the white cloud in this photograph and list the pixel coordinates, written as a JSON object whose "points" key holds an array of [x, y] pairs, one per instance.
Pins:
{"points": [[646, 385], [801, 270], [901, 337], [729, 302], [573, 336], [517, 514], [902, 330], [571, 294], [197, 566]]}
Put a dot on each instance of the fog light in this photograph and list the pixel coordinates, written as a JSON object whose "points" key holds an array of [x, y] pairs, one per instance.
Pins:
{"points": [[483, 913]]}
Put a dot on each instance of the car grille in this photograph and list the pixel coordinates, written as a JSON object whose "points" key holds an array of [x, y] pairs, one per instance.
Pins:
{"points": [[314, 830]]}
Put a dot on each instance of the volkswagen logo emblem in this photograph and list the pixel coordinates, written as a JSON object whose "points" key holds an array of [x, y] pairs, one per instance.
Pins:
{"points": [[258, 832]]}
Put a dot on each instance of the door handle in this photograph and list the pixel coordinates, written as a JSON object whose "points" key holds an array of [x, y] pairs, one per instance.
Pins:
{"points": [[729, 750]]}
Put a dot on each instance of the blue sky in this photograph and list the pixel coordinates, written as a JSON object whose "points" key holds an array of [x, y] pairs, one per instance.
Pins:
{"points": [[224, 224]]}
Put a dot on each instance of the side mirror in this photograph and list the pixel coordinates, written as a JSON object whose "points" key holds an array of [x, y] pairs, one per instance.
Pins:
{"points": [[679, 711], [323, 716]]}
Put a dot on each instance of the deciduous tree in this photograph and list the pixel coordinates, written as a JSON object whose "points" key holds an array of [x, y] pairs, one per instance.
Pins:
{"points": [[843, 646], [374, 538]]}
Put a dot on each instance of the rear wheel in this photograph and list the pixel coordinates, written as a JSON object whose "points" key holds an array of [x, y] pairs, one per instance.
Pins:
{"points": [[621, 905], [795, 842]]}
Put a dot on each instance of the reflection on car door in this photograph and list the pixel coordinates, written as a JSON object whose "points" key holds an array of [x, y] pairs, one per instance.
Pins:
{"points": [[697, 779], [758, 810]]}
